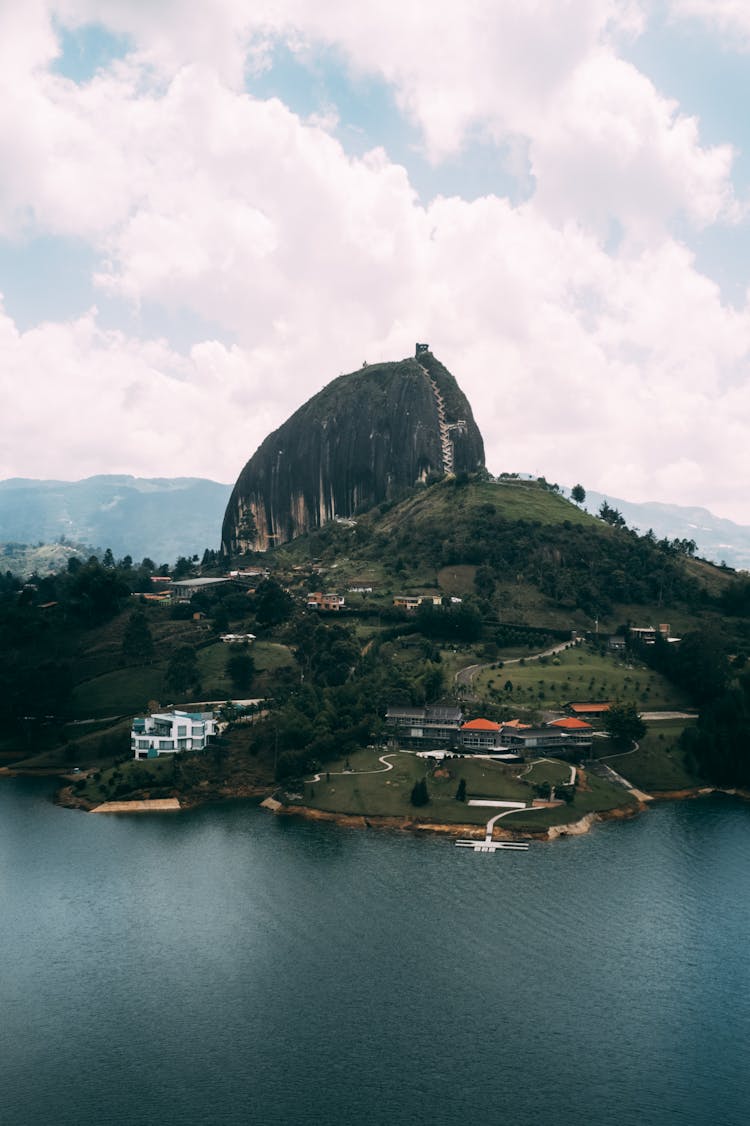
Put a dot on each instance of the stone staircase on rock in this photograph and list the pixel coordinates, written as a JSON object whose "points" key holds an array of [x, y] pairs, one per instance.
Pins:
{"points": [[444, 427]]}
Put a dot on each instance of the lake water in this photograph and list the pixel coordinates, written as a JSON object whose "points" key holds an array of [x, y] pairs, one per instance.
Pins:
{"points": [[225, 966]]}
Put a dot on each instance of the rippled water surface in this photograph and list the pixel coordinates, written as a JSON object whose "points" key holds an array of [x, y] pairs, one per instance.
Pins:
{"points": [[225, 966]]}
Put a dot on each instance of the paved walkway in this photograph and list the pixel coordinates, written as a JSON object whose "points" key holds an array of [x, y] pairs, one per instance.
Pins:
{"points": [[617, 779], [508, 813], [556, 762], [348, 773], [669, 715]]}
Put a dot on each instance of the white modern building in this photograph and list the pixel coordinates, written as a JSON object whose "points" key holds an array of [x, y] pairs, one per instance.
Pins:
{"points": [[167, 733]]}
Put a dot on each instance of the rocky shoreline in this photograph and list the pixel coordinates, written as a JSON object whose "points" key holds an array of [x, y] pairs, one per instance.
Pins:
{"points": [[477, 832], [193, 799]]}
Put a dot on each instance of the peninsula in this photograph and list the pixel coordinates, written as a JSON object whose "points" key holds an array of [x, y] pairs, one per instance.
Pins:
{"points": [[389, 634]]}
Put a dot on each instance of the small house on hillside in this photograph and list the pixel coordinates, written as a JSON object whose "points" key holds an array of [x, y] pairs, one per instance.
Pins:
{"points": [[185, 589], [406, 601], [413, 601], [331, 603]]}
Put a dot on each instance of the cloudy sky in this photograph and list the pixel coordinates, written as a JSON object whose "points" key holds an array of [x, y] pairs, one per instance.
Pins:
{"points": [[211, 208]]}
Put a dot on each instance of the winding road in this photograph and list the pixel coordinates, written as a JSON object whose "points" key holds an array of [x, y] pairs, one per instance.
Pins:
{"points": [[464, 678]]}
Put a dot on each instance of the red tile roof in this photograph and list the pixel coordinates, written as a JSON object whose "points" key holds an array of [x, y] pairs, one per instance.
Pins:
{"points": [[590, 709], [481, 725], [571, 724]]}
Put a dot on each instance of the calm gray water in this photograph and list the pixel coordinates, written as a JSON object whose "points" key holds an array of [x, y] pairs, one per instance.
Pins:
{"points": [[224, 966]]}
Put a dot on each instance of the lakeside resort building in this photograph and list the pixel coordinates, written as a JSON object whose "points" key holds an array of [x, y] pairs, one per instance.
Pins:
{"points": [[168, 733], [442, 728]]}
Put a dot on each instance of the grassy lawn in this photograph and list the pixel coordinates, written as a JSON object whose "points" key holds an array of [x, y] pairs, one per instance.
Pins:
{"points": [[118, 781], [270, 655], [548, 770], [659, 763], [513, 500], [128, 691], [457, 579], [579, 673], [456, 658], [212, 662], [387, 794], [86, 747], [598, 796], [122, 692]]}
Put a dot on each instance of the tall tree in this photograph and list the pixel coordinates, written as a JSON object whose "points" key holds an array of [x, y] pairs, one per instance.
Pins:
{"points": [[137, 642], [623, 724], [182, 671], [419, 793], [241, 668], [272, 603]]}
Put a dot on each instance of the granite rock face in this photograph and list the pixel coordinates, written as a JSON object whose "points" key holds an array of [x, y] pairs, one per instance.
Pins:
{"points": [[358, 442]]}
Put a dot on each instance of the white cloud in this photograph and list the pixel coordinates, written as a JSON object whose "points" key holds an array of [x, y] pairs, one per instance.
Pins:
{"points": [[85, 400], [622, 369], [603, 143], [614, 148], [729, 17]]}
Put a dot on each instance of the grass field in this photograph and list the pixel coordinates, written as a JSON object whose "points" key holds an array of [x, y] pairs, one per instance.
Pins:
{"points": [[659, 763], [579, 673], [128, 691], [119, 781], [212, 661], [387, 794], [513, 500], [122, 692]]}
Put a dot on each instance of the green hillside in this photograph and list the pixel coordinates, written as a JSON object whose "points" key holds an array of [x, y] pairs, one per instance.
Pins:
{"points": [[512, 568], [508, 498], [520, 550]]}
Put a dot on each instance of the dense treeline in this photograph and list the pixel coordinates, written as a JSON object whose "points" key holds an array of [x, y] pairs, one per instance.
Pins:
{"points": [[45, 623], [338, 699], [578, 567], [720, 741], [42, 623]]}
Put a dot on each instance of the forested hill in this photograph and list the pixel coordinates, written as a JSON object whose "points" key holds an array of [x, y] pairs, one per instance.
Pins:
{"points": [[525, 553], [505, 564]]}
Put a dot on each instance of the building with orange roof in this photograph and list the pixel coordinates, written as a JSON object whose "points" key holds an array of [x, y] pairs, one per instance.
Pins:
{"points": [[480, 734], [589, 708], [571, 723], [546, 740]]}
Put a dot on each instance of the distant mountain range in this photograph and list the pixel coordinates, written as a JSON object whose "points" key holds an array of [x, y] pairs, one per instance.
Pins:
{"points": [[718, 540], [166, 517], [156, 517]]}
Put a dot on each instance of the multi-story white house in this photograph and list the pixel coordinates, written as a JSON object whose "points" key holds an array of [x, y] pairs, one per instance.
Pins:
{"points": [[167, 733]]}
